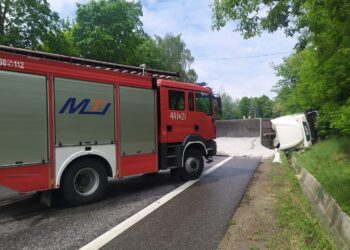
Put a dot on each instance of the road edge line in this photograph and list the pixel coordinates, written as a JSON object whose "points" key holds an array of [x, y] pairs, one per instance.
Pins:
{"points": [[129, 222]]}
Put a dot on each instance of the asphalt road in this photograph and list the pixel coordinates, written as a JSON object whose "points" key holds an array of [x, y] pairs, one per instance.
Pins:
{"points": [[195, 219]]}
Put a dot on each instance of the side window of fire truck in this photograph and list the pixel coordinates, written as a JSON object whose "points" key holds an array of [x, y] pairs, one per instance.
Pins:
{"points": [[203, 103], [190, 102], [176, 100]]}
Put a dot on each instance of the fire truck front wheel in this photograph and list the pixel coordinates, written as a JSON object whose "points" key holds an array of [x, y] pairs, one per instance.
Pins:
{"points": [[84, 182], [193, 165]]}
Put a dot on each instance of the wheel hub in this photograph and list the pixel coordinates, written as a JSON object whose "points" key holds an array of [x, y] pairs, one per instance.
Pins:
{"points": [[192, 164], [86, 181]]}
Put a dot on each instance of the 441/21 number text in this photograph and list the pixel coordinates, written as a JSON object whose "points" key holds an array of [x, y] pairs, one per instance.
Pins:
{"points": [[178, 116]]}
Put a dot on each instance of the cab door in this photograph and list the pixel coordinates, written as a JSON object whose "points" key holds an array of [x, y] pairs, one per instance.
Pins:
{"points": [[192, 117], [177, 121], [203, 115]]}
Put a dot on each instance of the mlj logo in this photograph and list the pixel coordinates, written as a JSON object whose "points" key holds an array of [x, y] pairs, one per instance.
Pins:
{"points": [[97, 104]]}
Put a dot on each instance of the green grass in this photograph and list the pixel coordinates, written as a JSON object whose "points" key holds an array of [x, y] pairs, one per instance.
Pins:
{"points": [[298, 227], [329, 162]]}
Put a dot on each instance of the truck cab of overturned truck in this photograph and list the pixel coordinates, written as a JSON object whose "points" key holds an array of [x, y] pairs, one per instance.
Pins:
{"points": [[292, 131]]}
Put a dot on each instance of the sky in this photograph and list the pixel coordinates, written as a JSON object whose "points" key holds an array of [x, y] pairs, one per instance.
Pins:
{"points": [[223, 59]]}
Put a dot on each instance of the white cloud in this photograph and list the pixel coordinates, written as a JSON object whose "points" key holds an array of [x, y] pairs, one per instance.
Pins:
{"points": [[239, 77]]}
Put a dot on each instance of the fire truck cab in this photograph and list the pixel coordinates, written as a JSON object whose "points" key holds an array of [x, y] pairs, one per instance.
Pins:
{"points": [[70, 123]]}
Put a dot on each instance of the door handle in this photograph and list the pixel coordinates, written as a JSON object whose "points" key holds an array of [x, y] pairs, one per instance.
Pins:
{"points": [[196, 127], [169, 128]]}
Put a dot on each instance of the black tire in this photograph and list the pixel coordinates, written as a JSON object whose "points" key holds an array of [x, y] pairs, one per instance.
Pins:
{"points": [[193, 165], [84, 181]]}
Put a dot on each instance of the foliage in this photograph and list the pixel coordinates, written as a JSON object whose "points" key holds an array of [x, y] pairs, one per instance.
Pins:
{"points": [[244, 106], [250, 17], [61, 42], [247, 107], [148, 53], [316, 87], [230, 107], [260, 107], [265, 107], [26, 23], [111, 30], [176, 56], [317, 75], [108, 30]]}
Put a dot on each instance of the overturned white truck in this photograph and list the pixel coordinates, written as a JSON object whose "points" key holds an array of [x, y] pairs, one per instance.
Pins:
{"points": [[290, 132]]}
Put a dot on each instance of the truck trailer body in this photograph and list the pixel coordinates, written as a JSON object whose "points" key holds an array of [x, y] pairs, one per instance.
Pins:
{"points": [[71, 123]]}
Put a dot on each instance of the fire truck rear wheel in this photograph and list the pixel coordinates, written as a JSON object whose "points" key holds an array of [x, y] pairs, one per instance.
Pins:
{"points": [[193, 165], [84, 182]]}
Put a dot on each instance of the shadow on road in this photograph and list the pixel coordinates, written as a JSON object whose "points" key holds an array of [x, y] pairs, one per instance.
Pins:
{"points": [[118, 191]]}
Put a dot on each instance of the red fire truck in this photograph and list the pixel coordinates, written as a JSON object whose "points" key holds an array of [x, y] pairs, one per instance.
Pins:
{"points": [[70, 123]]}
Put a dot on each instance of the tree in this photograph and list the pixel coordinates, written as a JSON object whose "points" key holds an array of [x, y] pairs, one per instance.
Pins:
{"points": [[106, 30], [175, 56], [254, 111], [230, 107], [287, 72], [250, 17], [256, 107], [245, 107], [315, 89], [148, 53], [109, 30], [253, 107], [265, 107], [316, 76], [191, 76], [26, 23], [60, 42]]}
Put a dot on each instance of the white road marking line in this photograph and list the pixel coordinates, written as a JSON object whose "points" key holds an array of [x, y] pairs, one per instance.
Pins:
{"points": [[123, 226]]}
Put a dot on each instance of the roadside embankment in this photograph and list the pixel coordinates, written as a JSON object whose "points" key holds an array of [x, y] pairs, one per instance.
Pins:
{"points": [[329, 162], [275, 214], [325, 178]]}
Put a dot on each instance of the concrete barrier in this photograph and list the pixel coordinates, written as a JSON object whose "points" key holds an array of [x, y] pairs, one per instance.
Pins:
{"points": [[238, 128]]}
